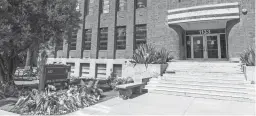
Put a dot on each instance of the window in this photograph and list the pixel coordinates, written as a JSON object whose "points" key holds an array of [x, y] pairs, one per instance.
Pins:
{"points": [[73, 40], [117, 70], [101, 71], [84, 69], [223, 46], [59, 44], [122, 5], [121, 38], [104, 6], [87, 39], [72, 68], [141, 3], [89, 4], [140, 34], [103, 41]]}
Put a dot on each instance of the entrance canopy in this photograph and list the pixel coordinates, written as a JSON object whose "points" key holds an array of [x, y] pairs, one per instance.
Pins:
{"points": [[204, 17]]}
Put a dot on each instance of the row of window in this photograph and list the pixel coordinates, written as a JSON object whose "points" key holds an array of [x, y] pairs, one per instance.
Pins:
{"points": [[105, 5], [100, 70], [120, 38]]}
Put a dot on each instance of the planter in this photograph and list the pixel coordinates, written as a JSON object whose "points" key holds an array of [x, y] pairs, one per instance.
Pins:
{"points": [[140, 71], [250, 73]]}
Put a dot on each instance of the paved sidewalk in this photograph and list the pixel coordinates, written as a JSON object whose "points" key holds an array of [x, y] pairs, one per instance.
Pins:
{"points": [[158, 104]]}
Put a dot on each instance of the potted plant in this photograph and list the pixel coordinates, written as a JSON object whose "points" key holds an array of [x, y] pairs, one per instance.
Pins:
{"points": [[146, 59], [248, 60]]}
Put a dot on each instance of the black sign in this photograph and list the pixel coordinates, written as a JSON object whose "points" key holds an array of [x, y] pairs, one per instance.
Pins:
{"points": [[54, 75]]}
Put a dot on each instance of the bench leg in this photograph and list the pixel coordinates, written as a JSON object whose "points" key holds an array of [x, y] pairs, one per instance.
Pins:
{"points": [[125, 94]]}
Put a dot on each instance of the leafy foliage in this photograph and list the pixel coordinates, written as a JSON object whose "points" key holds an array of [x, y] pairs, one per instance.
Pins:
{"points": [[248, 56], [147, 54], [121, 81], [32, 24], [8, 90], [52, 102]]}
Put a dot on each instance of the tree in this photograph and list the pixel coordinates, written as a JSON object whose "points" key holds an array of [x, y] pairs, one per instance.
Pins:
{"points": [[29, 24]]}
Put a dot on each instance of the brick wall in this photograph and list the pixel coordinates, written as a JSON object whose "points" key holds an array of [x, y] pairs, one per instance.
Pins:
{"points": [[240, 33]]}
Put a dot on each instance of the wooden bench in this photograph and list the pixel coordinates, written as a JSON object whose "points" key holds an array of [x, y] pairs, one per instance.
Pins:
{"points": [[126, 90]]}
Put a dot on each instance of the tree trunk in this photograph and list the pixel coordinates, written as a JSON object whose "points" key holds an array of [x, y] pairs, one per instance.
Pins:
{"points": [[28, 59], [7, 69]]}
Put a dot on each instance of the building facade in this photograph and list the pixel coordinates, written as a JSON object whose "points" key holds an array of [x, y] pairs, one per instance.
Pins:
{"points": [[190, 29]]}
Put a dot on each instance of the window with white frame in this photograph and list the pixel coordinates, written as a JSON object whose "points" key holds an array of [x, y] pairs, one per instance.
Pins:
{"points": [[141, 3], [101, 71], [117, 70], [87, 39], [84, 69], [72, 68], [140, 34], [104, 7], [72, 45], [122, 5], [103, 40], [89, 4], [121, 38]]}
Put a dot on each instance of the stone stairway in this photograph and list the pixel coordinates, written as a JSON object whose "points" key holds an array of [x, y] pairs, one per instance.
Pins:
{"points": [[215, 80]]}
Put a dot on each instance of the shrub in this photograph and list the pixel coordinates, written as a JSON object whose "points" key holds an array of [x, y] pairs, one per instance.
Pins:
{"points": [[144, 54], [120, 81], [147, 54], [8, 90], [51, 102], [248, 56], [163, 56]]}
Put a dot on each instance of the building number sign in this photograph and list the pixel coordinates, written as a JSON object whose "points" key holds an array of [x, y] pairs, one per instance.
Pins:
{"points": [[204, 32]]}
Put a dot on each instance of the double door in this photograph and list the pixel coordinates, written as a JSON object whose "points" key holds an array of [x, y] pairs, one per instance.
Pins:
{"points": [[205, 46]]}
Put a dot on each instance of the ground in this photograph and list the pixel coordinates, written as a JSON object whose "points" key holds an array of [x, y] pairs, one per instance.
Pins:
{"points": [[159, 104]]}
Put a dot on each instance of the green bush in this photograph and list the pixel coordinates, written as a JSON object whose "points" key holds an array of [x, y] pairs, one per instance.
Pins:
{"points": [[248, 56], [147, 54], [121, 81], [8, 90], [52, 102]]}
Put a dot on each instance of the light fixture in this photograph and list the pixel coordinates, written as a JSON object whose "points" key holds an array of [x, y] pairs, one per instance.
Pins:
{"points": [[244, 11]]}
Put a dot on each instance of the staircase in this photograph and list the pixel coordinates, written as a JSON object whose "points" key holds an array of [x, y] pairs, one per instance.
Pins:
{"points": [[215, 80]]}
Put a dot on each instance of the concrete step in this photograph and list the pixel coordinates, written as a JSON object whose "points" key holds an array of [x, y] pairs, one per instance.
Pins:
{"points": [[206, 73], [201, 82], [205, 81], [226, 87], [249, 92], [203, 95], [196, 70], [185, 77], [241, 79]]}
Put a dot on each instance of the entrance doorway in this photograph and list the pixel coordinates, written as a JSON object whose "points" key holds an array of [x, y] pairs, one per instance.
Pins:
{"points": [[206, 46]]}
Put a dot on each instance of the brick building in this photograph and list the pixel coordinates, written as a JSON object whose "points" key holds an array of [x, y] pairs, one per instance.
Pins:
{"points": [[190, 29]]}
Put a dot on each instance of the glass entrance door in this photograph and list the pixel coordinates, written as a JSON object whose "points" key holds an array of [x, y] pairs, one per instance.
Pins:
{"points": [[205, 46], [212, 43], [198, 47]]}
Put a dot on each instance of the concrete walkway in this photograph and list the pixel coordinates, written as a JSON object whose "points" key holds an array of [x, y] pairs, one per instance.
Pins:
{"points": [[158, 104]]}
